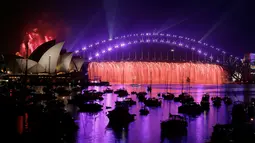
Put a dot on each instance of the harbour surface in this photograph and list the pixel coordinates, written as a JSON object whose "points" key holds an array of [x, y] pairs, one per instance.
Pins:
{"points": [[146, 129]]}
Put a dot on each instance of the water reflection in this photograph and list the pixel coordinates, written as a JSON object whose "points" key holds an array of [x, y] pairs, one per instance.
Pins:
{"points": [[146, 129]]}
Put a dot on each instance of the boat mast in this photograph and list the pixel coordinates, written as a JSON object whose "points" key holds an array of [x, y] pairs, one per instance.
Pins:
{"points": [[182, 81], [217, 84], [123, 76], [171, 80], [167, 81], [189, 76], [151, 82]]}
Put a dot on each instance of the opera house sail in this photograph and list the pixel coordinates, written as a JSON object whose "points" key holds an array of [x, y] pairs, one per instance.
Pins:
{"points": [[47, 59]]}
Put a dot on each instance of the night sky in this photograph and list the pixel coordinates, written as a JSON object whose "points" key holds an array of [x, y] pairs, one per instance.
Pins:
{"points": [[87, 20]]}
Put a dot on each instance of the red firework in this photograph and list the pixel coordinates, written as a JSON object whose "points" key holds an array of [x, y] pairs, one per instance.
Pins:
{"points": [[35, 39], [41, 32]]}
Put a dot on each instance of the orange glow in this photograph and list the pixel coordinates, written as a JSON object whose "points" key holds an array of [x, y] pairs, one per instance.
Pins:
{"points": [[157, 72]]}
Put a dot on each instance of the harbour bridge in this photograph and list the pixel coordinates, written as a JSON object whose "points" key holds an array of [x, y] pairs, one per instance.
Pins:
{"points": [[161, 47]]}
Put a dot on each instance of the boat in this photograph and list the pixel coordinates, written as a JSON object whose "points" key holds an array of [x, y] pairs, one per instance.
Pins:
{"points": [[191, 108], [175, 125], [216, 101], [121, 92], [144, 111], [127, 101], [108, 107], [133, 92], [135, 85], [231, 133], [141, 96], [205, 103], [120, 117], [227, 100], [62, 91], [90, 107], [206, 97], [180, 97], [152, 102], [239, 114], [76, 89], [89, 96], [168, 96], [222, 133], [108, 90]]}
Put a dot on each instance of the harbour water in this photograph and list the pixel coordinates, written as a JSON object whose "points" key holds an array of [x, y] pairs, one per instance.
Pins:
{"points": [[146, 129]]}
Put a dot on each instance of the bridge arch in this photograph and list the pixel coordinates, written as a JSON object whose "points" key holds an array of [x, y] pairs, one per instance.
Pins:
{"points": [[212, 53]]}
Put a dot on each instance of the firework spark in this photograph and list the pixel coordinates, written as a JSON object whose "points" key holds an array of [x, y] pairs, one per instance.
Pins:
{"points": [[156, 72], [40, 32], [35, 39]]}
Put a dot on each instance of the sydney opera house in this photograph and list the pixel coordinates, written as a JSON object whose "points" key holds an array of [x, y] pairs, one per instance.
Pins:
{"points": [[48, 59]]}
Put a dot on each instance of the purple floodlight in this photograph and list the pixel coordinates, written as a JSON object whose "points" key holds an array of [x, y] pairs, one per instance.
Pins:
{"points": [[90, 58], [84, 48], [217, 61], [90, 45], [211, 57], [110, 39], [205, 54], [148, 40], [103, 51], [122, 44], [180, 44], [186, 46], [77, 51], [103, 41], [97, 54], [223, 52], [162, 41], [199, 51], [172, 50], [174, 42], [193, 48], [116, 46], [97, 43], [129, 43], [110, 48]]}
